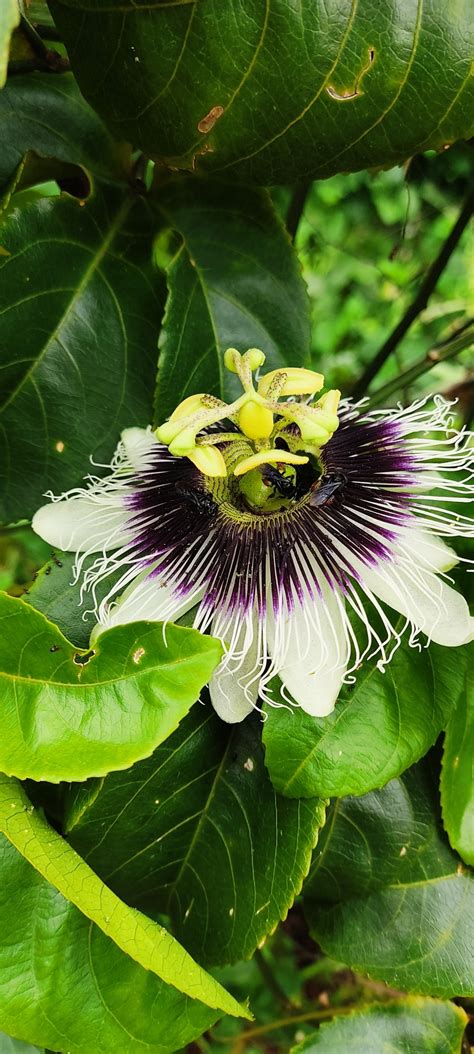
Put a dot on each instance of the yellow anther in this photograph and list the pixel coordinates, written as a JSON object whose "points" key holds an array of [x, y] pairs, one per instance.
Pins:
{"points": [[187, 407], [255, 421], [312, 434], [297, 381], [167, 432], [329, 402], [316, 430], [183, 443], [269, 457], [209, 460]]}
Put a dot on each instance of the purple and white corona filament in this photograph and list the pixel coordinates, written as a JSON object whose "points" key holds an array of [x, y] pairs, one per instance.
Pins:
{"points": [[296, 529]]}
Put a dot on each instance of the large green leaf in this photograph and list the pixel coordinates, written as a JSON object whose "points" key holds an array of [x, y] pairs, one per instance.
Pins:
{"points": [[198, 831], [236, 282], [273, 92], [404, 1027], [79, 320], [65, 985], [388, 896], [381, 725], [48, 115], [9, 18], [457, 788], [68, 714], [139, 937]]}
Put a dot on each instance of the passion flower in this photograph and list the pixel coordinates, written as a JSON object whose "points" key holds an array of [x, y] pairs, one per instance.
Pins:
{"points": [[290, 524]]}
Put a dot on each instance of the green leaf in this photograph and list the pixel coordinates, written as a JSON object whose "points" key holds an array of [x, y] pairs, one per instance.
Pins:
{"points": [[457, 790], [387, 895], [142, 939], [401, 1027], [381, 725], [197, 831], [48, 115], [236, 282], [80, 311], [9, 18], [55, 593], [67, 986], [272, 93], [69, 714]]}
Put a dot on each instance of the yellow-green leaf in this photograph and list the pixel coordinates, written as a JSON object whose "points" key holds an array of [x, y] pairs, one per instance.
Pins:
{"points": [[138, 936]]}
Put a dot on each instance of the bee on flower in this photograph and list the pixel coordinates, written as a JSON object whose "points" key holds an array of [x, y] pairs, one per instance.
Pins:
{"points": [[295, 525]]}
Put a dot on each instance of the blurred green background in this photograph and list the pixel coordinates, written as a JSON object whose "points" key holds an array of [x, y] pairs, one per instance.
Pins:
{"points": [[366, 241]]}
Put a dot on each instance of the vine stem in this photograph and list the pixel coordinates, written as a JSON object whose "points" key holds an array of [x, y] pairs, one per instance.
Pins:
{"points": [[421, 299], [286, 1022], [432, 358]]}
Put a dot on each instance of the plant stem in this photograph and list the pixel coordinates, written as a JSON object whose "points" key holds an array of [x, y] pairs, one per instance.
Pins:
{"points": [[293, 1019], [431, 359], [271, 982], [46, 58], [296, 206], [419, 303]]}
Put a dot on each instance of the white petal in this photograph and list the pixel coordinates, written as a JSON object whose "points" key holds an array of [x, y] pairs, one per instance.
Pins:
{"points": [[139, 443], [229, 698], [147, 599], [426, 600], [81, 525], [430, 552], [234, 685], [318, 652]]}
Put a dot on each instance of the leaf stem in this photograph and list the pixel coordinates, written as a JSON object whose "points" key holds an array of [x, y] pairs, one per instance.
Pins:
{"points": [[270, 980], [432, 358], [421, 299]]}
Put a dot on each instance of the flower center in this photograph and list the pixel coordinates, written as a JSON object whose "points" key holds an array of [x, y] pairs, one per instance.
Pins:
{"points": [[266, 489], [275, 429]]}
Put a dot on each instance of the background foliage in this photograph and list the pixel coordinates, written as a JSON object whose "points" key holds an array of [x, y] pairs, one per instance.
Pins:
{"points": [[159, 869]]}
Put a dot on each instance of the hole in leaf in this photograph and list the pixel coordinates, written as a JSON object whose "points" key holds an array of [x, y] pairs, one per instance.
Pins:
{"points": [[81, 659]]}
